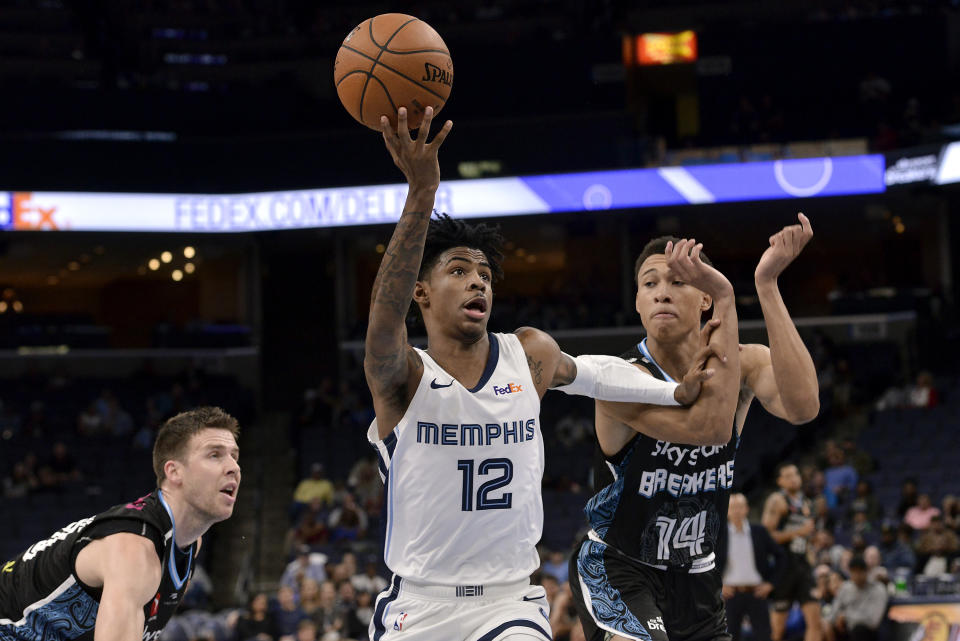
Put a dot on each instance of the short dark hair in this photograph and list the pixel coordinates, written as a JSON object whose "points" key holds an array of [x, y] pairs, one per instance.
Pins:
{"points": [[857, 563], [173, 437], [446, 232], [658, 246], [784, 465]]}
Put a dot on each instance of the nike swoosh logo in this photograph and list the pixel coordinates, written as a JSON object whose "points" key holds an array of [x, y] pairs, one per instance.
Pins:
{"points": [[535, 598], [434, 385]]}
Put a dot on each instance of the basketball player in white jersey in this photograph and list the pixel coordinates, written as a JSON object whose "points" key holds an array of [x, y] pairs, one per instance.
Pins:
{"points": [[457, 425], [646, 570]]}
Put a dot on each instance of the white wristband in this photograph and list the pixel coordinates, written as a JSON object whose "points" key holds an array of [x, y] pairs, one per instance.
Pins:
{"points": [[609, 378]]}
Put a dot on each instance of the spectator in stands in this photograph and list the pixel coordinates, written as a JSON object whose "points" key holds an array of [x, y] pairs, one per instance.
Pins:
{"points": [[563, 614], [311, 529], [557, 566], [365, 484], [936, 547], [328, 615], [316, 487], [90, 422], [307, 565], [859, 606], [923, 393], [840, 476], [310, 597], [19, 483], [950, 512], [116, 420], [862, 526], [751, 563], [63, 465], [306, 631], [864, 501], [826, 551], [358, 618], [550, 586], [919, 516], [288, 614], [908, 497], [347, 521], [875, 569], [257, 623], [823, 518], [369, 581], [895, 549]]}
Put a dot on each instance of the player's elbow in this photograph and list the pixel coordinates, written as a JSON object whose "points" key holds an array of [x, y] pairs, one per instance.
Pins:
{"points": [[805, 413]]}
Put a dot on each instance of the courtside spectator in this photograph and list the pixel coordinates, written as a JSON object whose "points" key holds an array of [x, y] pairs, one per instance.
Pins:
{"points": [[936, 547], [859, 606]]}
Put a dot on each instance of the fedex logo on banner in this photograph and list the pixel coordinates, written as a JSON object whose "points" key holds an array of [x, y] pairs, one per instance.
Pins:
{"points": [[29, 215]]}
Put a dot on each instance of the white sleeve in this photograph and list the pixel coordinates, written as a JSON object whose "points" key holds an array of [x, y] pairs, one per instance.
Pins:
{"points": [[609, 378]]}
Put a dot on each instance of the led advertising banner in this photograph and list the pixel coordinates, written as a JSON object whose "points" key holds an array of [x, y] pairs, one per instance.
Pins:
{"points": [[491, 197]]}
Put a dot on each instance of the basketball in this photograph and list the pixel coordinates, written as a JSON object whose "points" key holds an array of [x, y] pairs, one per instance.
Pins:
{"points": [[390, 61]]}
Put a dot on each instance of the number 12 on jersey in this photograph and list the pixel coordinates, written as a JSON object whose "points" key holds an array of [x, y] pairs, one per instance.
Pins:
{"points": [[486, 466]]}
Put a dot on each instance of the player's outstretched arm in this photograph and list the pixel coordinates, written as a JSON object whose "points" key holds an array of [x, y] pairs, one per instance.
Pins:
{"points": [[606, 377], [127, 567], [387, 360], [782, 376]]}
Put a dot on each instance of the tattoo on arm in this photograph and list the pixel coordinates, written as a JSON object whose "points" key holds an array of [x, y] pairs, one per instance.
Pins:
{"points": [[536, 369], [391, 297], [393, 286]]}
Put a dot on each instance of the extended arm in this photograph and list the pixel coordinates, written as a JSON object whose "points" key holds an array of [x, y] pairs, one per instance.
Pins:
{"points": [[605, 377], [126, 566], [783, 378], [387, 362]]}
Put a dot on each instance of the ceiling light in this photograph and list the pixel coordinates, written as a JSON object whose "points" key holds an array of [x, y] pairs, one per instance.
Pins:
{"points": [[177, 275], [166, 257], [17, 306], [189, 252], [153, 264], [189, 268]]}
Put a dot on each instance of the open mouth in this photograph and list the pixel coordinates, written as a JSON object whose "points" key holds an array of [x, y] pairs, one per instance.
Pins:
{"points": [[230, 490], [476, 308]]}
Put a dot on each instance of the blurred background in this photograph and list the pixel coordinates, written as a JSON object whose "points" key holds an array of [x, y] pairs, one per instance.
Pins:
{"points": [[848, 110]]}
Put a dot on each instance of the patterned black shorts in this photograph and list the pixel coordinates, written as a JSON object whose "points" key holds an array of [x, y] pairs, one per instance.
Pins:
{"points": [[615, 595]]}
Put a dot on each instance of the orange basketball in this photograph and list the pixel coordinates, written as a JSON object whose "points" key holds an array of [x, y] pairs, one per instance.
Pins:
{"points": [[390, 61]]}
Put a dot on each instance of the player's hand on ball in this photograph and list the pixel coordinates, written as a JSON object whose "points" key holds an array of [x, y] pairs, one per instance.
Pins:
{"points": [[417, 159], [683, 259], [785, 245], [689, 388]]}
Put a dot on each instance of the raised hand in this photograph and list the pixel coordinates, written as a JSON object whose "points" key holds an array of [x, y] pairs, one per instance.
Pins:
{"points": [[683, 259], [417, 159], [785, 245]]}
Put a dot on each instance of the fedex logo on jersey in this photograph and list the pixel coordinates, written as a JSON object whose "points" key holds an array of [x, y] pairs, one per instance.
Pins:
{"points": [[509, 388]]}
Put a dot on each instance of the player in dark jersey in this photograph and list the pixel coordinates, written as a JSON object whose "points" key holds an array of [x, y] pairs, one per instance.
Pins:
{"points": [[646, 571], [789, 519], [120, 575]]}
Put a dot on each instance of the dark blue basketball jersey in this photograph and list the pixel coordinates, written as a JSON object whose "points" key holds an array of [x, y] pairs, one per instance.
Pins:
{"points": [[664, 504], [42, 599]]}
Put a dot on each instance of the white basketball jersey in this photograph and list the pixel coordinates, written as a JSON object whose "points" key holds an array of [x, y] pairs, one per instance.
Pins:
{"points": [[463, 470]]}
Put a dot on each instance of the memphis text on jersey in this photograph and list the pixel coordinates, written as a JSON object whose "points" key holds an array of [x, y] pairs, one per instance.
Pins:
{"points": [[507, 433], [711, 479]]}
